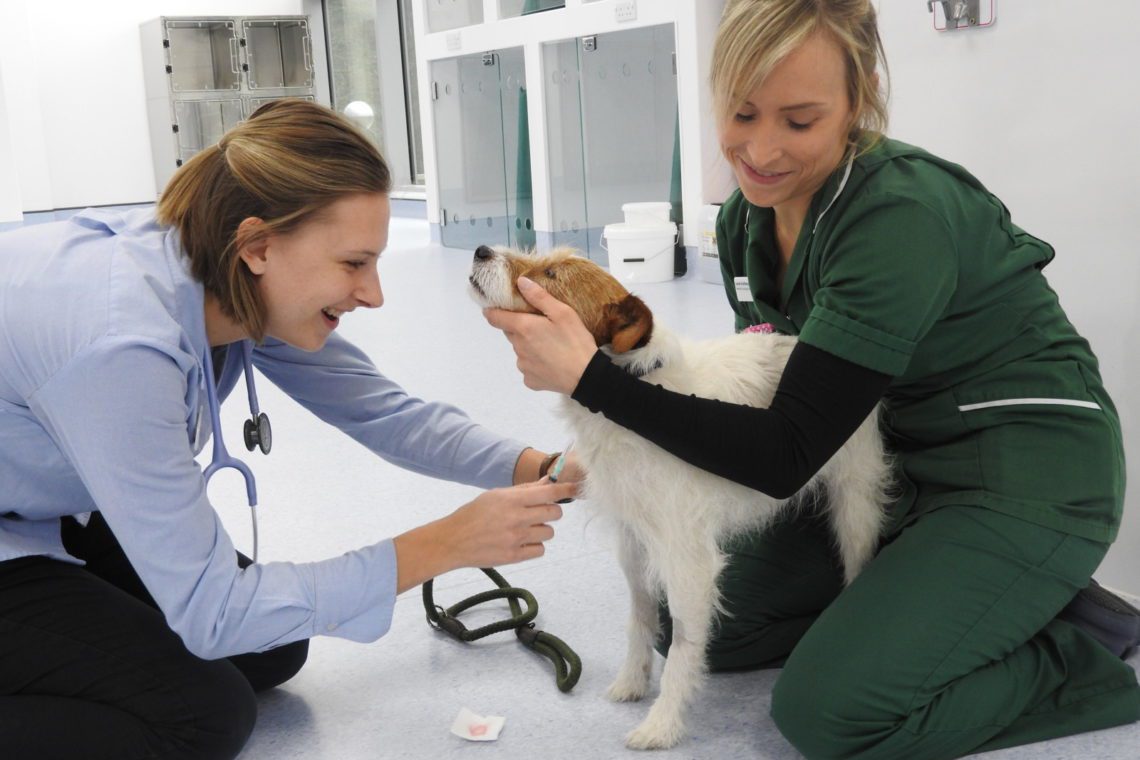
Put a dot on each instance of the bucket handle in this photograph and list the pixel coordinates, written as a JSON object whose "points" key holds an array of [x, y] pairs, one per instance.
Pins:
{"points": [[602, 237]]}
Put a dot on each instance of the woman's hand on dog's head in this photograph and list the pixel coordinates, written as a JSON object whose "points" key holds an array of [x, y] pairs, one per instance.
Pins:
{"points": [[552, 348]]}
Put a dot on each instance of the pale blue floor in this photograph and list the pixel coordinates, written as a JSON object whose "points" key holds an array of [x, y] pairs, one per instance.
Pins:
{"points": [[322, 494]]}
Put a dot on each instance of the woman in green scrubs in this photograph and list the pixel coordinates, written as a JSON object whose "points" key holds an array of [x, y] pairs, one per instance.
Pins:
{"points": [[975, 627]]}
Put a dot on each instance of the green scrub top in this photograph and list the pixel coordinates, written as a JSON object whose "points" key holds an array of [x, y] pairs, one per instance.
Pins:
{"points": [[907, 265]]}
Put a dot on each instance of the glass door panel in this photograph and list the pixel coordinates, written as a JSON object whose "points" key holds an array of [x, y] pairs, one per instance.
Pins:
{"points": [[470, 152], [516, 148], [611, 118], [201, 123], [203, 55], [565, 147], [278, 54], [629, 120]]}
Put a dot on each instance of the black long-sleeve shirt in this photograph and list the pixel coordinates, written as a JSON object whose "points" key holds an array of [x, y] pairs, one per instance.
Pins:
{"points": [[820, 401]]}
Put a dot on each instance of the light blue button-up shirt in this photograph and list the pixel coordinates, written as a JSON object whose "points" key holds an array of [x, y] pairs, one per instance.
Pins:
{"points": [[102, 338]]}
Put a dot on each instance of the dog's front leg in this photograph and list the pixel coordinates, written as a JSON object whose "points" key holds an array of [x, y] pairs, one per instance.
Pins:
{"points": [[632, 681], [690, 575]]}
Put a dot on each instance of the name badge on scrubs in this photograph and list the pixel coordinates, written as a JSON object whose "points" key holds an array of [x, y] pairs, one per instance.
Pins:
{"points": [[743, 290]]}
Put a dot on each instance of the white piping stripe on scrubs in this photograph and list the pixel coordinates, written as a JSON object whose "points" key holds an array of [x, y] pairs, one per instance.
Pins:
{"points": [[1024, 401]]}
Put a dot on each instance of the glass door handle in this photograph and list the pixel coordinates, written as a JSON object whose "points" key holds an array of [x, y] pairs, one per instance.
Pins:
{"points": [[234, 55]]}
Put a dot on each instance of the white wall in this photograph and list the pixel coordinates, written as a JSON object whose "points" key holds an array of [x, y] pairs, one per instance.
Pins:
{"points": [[1043, 108], [74, 95], [30, 179], [10, 206]]}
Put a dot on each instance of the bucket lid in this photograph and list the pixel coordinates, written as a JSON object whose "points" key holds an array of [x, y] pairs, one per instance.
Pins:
{"points": [[632, 230]]}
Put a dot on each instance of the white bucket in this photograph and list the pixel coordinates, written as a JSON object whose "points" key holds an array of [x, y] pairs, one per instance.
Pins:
{"points": [[640, 252], [647, 213]]}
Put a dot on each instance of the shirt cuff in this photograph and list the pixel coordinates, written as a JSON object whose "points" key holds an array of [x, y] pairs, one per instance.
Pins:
{"points": [[356, 593]]}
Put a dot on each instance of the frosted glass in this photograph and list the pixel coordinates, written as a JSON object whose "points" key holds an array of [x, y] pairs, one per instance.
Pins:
{"points": [[611, 113], [629, 115], [354, 70], [203, 55], [452, 14], [482, 150], [509, 8], [516, 148], [563, 108], [201, 123], [278, 54]]}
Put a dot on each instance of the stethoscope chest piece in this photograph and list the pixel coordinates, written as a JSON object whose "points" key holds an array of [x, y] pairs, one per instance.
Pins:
{"points": [[258, 433]]}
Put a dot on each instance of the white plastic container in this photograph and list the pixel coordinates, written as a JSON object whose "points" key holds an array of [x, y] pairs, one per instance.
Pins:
{"points": [[640, 252], [647, 213], [708, 265]]}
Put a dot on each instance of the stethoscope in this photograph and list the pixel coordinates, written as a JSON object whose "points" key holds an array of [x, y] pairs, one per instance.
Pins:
{"points": [[258, 433]]}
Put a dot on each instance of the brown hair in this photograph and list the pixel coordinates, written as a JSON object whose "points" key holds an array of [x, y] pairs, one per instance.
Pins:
{"points": [[755, 35], [284, 165]]}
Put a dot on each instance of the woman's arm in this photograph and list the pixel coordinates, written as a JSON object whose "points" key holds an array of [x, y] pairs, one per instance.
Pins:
{"points": [[820, 401], [118, 413], [344, 388]]}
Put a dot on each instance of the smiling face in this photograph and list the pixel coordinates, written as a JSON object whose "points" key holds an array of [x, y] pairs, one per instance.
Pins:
{"points": [[326, 267], [790, 134]]}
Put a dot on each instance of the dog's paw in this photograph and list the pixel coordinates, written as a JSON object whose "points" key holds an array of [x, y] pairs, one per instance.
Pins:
{"points": [[624, 692], [630, 686], [656, 733]]}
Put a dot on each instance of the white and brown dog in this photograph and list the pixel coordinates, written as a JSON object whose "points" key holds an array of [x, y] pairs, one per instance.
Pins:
{"points": [[674, 517]]}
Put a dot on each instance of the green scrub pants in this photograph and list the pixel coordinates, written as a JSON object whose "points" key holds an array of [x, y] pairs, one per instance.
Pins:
{"points": [[945, 644]]}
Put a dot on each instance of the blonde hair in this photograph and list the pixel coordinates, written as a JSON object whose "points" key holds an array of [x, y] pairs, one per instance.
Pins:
{"points": [[284, 165], [755, 35]]}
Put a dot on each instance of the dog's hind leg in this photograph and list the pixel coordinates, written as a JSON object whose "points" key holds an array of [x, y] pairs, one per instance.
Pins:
{"points": [[690, 574], [632, 681]]}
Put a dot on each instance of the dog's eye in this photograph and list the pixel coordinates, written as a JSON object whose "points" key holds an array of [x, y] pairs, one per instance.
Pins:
{"points": [[549, 273]]}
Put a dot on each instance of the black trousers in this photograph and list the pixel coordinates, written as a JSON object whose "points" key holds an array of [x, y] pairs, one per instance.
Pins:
{"points": [[89, 668]]}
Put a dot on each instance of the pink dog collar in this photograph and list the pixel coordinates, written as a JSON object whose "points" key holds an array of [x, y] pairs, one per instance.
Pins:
{"points": [[764, 328]]}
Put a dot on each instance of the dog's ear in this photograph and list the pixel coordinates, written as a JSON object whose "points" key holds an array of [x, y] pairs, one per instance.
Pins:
{"points": [[628, 323]]}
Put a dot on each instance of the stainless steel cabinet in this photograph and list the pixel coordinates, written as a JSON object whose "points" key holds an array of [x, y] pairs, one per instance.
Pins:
{"points": [[203, 75]]}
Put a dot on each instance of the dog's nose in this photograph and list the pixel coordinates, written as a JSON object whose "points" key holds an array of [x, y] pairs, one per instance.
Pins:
{"points": [[483, 252]]}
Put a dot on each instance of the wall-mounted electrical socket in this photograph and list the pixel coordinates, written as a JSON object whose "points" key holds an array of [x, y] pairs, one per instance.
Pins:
{"points": [[625, 10]]}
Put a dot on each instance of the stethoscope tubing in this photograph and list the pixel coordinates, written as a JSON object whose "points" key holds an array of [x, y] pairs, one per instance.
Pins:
{"points": [[247, 363], [221, 458]]}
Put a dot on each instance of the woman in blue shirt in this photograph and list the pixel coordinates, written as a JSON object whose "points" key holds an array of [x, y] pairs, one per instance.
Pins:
{"points": [[271, 236]]}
